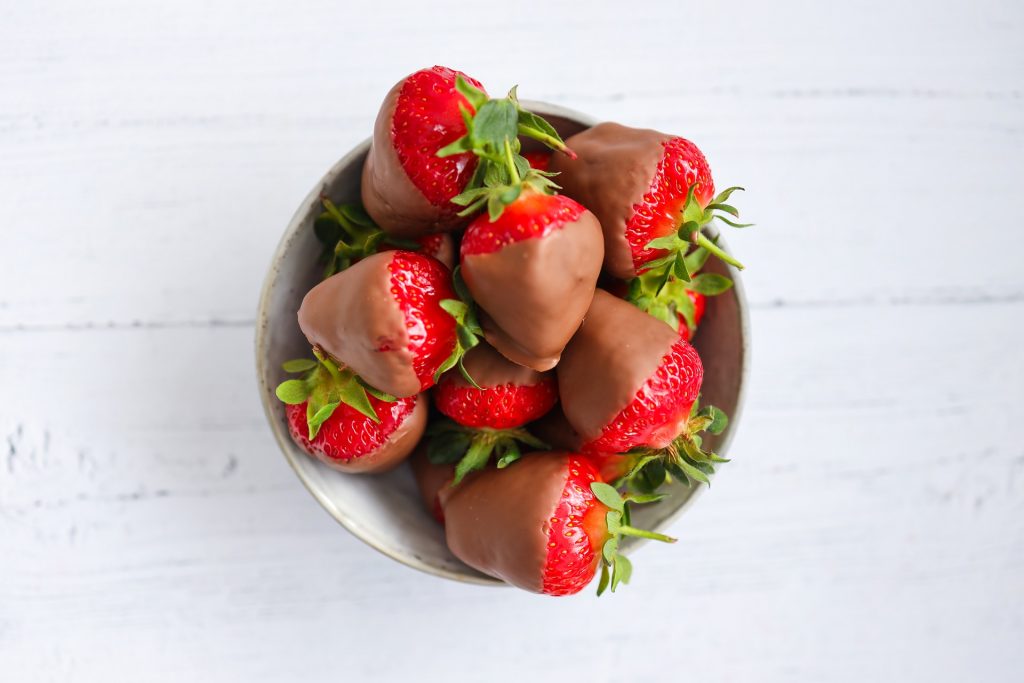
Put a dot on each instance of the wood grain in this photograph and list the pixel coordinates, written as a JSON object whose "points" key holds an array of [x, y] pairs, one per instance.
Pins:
{"points": [[871, 525]]}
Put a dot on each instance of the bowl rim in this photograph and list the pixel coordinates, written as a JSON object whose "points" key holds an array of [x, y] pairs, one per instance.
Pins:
{"points": [[284, 440]]}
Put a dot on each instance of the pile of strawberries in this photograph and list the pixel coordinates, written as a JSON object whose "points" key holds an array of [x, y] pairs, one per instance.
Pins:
{"points": [[543, 299]]}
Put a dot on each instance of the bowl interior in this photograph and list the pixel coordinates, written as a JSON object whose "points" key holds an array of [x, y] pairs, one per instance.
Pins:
{"points": [[385, 510]]}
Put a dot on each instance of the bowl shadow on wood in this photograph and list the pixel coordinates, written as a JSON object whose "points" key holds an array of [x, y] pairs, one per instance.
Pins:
{"points": [[385, 510]]}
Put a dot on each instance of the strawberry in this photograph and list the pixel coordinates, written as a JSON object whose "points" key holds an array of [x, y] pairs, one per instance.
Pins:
{"points": [[544, 524], [337, 419], [385, 318], [645, 400], [350, 235], [532, 270], [406, 186], [652, 193], [506, 396], [538, 160], [487, 416]]}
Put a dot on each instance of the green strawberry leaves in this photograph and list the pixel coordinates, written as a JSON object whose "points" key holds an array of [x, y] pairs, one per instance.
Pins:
{"points": [[467, 328], [685, 458], [349, 234], [616, 569], [492, 134], [663, 292], [660, 288], [323, 387], [470, 449]]}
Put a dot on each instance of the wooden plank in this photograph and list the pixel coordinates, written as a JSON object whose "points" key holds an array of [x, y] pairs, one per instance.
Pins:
{"points": [[871, 517]]}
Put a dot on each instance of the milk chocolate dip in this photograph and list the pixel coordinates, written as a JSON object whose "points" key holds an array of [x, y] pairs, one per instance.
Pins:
{"points": [[554, 430], [613, 170], [498, 522], [535, 292], [616, 350], [488, 368], [353, 317], [389, 195], [396, 448], [431, 480]]}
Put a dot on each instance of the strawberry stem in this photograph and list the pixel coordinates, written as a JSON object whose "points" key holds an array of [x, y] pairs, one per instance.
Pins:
{"points": [[701, 240], [626, 530]]}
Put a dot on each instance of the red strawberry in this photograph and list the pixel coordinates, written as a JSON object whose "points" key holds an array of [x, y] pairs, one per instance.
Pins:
{"points": [[544, 524], [332, 417], [406, 186], [384, 317], [645, 400], [350, 235], [649, 380], [532, 270], [538, 160], [506, 396], [644, 186], [488, 418]]}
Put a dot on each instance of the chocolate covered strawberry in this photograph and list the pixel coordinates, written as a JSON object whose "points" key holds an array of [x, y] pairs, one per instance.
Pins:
{"points": [[336, 418], [627, 379], [438, 136], [544, 524], [652, 193], [350, 235], [532, 271], [645, 396], [487, 416], [385, 318], [406, 187]]}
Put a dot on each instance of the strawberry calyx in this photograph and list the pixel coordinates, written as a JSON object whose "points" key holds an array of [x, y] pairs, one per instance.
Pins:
{"points": [[467, 328], [349, 235], [689, 233], [616, 567], [658, 292], [471, 448], [492, 134], [685, 458], [323, 386]]}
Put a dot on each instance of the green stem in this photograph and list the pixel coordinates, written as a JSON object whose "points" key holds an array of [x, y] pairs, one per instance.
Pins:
{"points": [[510, 161], [543, 137], [643, 533], [351, 230], [702, 240], [326, 361]]}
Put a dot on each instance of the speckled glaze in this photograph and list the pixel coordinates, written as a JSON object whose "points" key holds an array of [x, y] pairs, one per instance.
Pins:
{"points": [[385, 510]]}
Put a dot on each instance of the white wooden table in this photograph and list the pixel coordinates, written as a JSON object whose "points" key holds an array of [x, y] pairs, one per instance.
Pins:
{"points": [[871, 525]]}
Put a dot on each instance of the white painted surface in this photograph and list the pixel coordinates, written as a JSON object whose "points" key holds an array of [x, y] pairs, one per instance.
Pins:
{"points": [[871, 526]]}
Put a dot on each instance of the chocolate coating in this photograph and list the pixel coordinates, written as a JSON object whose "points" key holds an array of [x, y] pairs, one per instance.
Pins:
{"points": [[616, 350], [535, 292], [488, 368], [389, 195], [395, 448], [554, 430], [432, 481], [613, 170], [498, 522], [353, 317]]}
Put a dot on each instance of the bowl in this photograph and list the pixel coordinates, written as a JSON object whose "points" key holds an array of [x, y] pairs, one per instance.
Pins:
{"points": [[385, 510]]}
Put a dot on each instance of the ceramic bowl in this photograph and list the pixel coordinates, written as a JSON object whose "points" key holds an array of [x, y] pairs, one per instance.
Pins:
{"points": [[385, 510]]}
